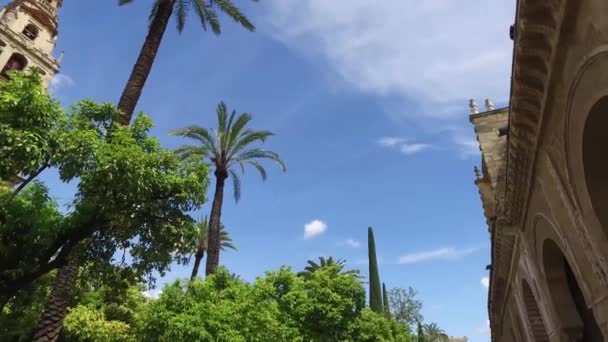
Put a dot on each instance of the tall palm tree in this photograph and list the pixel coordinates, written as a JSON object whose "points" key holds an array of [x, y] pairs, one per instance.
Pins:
{"points": [[202, 243], [226, 148], [434, 333], [314, 266], [159, 18]]}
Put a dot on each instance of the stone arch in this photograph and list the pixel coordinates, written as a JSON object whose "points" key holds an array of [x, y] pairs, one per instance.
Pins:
{"points": [[536, 322], [16, 62], [595, 163], [576, 318], [30, 31], [585, 104]]}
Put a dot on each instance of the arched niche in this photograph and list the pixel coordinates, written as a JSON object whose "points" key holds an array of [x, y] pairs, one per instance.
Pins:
{"points": [[595, 163], [576, 318], [16, 62]]}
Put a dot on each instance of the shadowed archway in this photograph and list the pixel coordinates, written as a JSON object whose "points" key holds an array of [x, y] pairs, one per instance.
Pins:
{"points": [[577, 320], [595, 163]]}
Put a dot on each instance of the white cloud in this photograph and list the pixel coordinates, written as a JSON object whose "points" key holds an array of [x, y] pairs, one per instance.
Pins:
{"points": [[352, 243], [390, 141], [448, 253], [434, 51], [60, 81], [400, 143], [485, 282], [413, 148], [314, 228], [152, 293]]}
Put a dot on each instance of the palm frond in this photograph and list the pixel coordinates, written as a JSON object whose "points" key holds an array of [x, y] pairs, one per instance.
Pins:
{"points": [[222, 116], [199, 9], [259, 153], [181, 9], [247, 137], [237, 128], [212, 19], [229, 8], [199, 134], [236, 185], [124, 2], [186, 151], [259, 167]]}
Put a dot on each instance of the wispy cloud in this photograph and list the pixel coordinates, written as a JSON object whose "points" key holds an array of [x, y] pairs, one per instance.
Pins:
{"points": [[448, 253], [352, 243], [440, 60], [390, 141], [430, 60], [314, 228], [402, 145], [60, 81], [413, 148], [485, 282]]}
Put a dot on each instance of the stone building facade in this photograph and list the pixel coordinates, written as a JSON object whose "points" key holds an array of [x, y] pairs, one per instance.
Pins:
{"points": [[544, 178], [28, 34]]}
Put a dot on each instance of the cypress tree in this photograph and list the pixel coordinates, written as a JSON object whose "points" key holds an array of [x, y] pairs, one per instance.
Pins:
{"points": [[385, 303], [375, 292]]}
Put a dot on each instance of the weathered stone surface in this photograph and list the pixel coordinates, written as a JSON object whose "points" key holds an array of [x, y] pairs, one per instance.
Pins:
{"points": [[544, 187]]}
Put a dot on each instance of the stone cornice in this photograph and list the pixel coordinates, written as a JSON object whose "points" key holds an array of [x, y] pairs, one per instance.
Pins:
{"points": [[536, 37]]}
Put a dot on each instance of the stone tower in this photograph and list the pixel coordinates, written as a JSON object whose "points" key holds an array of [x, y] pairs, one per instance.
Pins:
{"points": [[28, 34]]}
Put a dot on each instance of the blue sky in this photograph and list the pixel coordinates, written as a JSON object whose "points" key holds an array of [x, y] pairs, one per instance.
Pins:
{"points": [[369, 103]]}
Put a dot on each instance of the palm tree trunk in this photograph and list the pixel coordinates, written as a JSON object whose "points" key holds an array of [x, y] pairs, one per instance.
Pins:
{"points": [[50, 324], [213, 249], [197, 263], [141, 69]]}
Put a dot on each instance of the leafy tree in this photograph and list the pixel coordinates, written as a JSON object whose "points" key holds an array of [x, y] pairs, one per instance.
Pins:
{"points": [[370, 326], [132, 194], [88, 324], [405, 307], [29, 117], [339, 263], [226, 148], [202, 243], [159, 18], [104, 314], [22, 312], [385, 303], [216, 309], [375, 291], [434, 333]]}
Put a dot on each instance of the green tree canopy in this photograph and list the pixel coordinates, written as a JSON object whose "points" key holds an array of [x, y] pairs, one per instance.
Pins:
{"points": [[132, 194]]}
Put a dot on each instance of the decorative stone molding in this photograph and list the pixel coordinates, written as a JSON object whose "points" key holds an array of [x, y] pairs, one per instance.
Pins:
{"points": [[537, 36]]}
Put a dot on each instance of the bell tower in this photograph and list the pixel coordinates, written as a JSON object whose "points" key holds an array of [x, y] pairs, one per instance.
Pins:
{"points": [[28, 34]]}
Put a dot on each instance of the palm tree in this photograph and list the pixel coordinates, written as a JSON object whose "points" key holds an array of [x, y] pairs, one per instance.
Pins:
{"points": [[225, 148], [434, 333], [159, 18], [313, 266], [203, 241]]}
